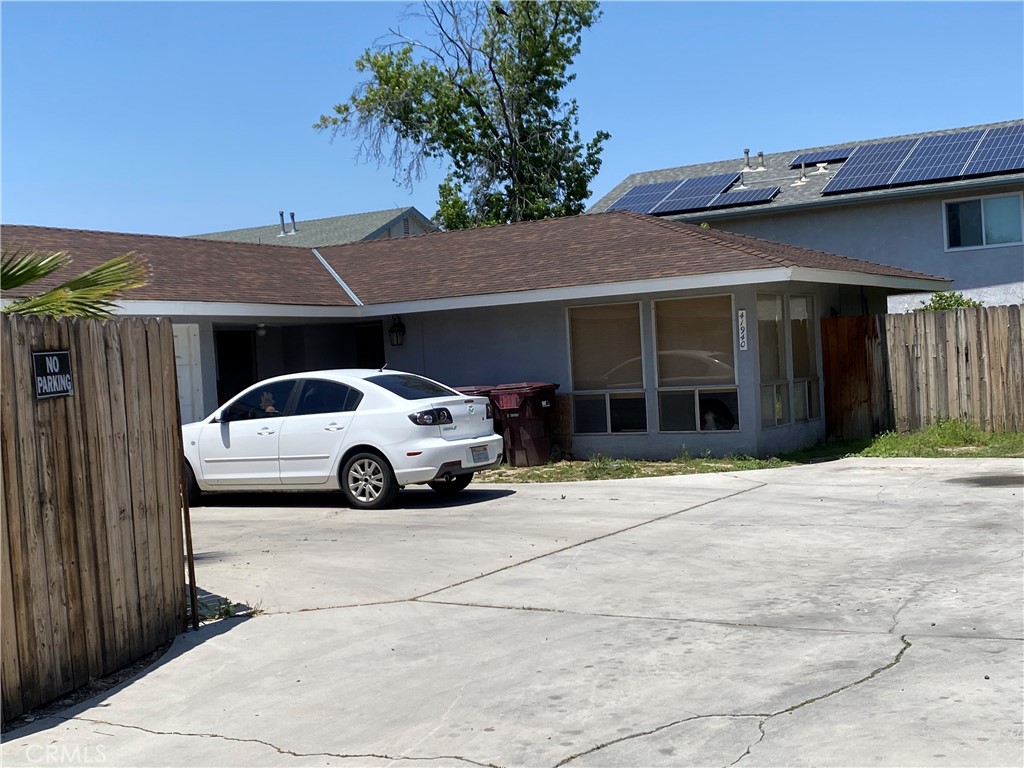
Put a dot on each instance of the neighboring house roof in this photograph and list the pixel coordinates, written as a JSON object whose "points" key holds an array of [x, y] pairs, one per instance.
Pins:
{"points": [[186, 269], [776, 172], [335, 230], [573, 257]]}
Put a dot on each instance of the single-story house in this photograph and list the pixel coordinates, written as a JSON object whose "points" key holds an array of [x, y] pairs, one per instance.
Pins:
{"points": [[948, 202], [661, 335]]}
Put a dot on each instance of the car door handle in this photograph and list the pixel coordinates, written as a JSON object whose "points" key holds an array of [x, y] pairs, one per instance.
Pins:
{"points": [[266, 431], [333, 428]]}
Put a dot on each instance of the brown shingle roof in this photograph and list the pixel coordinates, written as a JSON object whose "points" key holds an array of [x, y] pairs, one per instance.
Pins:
{"points": [[185, 269], [594, 249]]}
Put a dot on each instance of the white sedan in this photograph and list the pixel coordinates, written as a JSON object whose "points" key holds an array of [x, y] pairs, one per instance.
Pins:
{"points": [[367, 432]]}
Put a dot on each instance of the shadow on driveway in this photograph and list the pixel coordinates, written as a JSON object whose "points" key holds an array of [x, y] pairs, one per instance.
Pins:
{"points": [[410, 498]]}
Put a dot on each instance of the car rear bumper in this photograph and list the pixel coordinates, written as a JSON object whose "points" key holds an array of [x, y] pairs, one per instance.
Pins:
{"points": [[451, 458]]}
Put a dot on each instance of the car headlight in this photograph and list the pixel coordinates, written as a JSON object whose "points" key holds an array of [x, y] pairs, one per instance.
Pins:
{"points": [[431, 417]]}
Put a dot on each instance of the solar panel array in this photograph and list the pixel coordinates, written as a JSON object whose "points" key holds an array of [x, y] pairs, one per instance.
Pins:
{"points": [[821, 156], [695, 194], [1001, 150], [931, 158], [643, 198], [745, 197], [872, 165], [938, 157]]}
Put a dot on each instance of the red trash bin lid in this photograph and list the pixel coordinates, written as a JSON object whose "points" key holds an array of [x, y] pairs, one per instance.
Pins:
{"points": [[526, 386]]}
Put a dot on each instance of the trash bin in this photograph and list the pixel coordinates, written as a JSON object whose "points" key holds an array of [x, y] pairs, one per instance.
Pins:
{"points": [[526, 410], [484, 390]]}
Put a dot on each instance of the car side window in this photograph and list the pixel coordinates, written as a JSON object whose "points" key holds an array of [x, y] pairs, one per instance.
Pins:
{"points": [[320, 396], [261, 402]]}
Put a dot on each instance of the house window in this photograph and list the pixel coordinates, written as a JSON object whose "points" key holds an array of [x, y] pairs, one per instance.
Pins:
{"points": [[788, 361], [984, 221], [607, 369], [806, 403], [696, 364]]}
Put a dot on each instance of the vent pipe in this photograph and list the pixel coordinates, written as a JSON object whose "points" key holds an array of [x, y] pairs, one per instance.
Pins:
{"points": [[281, 214], [292, 214], [746, 154], [760, 161], [803, 177]]}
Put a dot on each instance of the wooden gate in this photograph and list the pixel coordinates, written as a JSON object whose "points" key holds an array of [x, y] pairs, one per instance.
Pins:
{"points": [[857, 400], [91, 566]]}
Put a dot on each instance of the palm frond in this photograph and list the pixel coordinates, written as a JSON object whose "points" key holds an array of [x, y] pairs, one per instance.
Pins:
{"points": [[91, 294], [19, 268]]}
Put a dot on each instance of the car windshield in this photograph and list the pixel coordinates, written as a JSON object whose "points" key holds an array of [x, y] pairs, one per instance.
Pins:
{"points": [[411, 387]]}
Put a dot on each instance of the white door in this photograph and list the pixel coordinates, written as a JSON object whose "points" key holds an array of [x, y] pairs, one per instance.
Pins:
{"points": [[187, 365], [313, 437], [242, 448], [241, 453]]}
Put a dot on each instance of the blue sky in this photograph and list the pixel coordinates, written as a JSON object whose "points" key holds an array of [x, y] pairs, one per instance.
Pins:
{"points": [[181, 118]]}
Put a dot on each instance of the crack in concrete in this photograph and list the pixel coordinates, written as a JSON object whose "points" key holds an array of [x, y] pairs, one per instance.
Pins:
{"points": [[282, 750], [641, 734], [591, 540], [764, 716], [921, 587], [710, 622]]}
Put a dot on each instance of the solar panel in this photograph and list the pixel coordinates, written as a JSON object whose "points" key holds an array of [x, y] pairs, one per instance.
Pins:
{"points": [[685, 204], [642, 198], [938, 157], [822, 156], [696, 193], [1001, 150], [745, 197], [871, 166]]}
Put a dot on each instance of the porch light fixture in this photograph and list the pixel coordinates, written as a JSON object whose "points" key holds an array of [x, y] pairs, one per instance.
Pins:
{"points": [[397, 331], [261, 329]]}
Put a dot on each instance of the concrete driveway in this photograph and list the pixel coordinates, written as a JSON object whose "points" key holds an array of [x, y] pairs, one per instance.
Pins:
{"points": [[855, 613]]}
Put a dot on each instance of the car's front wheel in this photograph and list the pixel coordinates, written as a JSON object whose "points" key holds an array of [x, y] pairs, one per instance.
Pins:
{"points": [[451, 487], [368, 481]]}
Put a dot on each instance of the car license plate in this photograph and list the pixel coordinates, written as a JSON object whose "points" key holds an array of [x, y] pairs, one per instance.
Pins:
{"points": [[479, 453]]}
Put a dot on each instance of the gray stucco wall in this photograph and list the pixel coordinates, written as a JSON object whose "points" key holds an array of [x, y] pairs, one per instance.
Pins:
{"points": [[531, 343], [907, 232]]}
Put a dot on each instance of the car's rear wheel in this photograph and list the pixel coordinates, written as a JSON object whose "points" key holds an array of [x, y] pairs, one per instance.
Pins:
{"points": [[192, 490], [368, 481], [451, 487]]}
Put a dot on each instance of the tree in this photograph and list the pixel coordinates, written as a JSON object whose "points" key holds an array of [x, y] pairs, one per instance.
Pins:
{"points": [[941, 300], [90, 294], [482, 92]]}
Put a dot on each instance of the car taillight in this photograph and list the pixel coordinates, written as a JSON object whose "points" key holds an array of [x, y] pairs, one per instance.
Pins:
{"points": [[433, 416]]}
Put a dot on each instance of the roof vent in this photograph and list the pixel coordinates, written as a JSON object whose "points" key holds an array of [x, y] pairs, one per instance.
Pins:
{"points": [[822, 168], [746, 154], [760, 162], [743, 182], [294, 230], [803, 177], [281, 214]]}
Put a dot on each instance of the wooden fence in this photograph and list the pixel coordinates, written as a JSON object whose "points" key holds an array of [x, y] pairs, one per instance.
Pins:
{"points": [[909, 371], [91, 563]]}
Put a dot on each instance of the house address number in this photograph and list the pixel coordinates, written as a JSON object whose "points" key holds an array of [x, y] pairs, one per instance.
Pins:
{"points": [[741, 322], [53, 375]]}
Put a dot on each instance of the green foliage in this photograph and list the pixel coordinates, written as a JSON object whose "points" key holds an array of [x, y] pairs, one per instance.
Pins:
{"points": [[90, 294], [947, 438], [941, 300], [480, 91]]}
